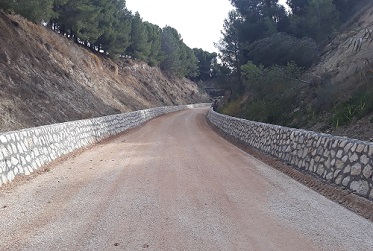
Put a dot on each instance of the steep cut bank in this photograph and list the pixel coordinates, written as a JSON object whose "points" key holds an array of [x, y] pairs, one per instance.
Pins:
{"points": [[342, 82], [45, 78]]}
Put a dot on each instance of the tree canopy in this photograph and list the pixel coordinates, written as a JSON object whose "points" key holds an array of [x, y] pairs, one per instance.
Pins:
{"points": [[265, 48], [108, 27], [265, 32]]}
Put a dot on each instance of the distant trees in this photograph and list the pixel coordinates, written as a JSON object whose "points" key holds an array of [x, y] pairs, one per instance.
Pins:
{"points": [[207, 64], [266, 47], [177, 57], [108, 27], [264, 32]]}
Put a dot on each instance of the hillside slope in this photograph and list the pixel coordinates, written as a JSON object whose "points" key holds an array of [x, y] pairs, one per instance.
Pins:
{"points": [[343, 75], [334, 95], [45, 78]]}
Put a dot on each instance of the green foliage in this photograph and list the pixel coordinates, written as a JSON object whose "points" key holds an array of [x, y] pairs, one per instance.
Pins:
{"points": [[207, 64], [347, 8], [263, 32], [81, 19], [356, 107], [5, 5], [298, 7], [316, 19], [232, 108], [106, 26], [170, 39], [273, 92], [154, 42], [35, 10], [178, 59], [189, 62], [259, 41], [253, 73], [116, 39], [322, 19], [281, 49], [230, 45], [139, 48]]}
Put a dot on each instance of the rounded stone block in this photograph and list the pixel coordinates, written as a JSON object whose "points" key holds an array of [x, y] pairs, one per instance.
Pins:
{"points": [[346, 181], [360, 148], [338, 180], [320, 170], [356, 169], [367, 171], [4, 179], [361, 187], [370, 153], [339, 164], [354, 157], [339, 154], [347, 147], [364, 159], [3, 139], [10, 176]]}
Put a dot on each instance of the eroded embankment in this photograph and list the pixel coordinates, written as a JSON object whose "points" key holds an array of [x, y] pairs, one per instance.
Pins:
{"points": [[46, 78]]}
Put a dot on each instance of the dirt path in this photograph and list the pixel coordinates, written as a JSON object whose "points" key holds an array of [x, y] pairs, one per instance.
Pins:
{"points": [[173, 184]]}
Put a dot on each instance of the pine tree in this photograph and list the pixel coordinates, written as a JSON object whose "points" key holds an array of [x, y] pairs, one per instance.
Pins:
{"points": [[298, 7], [34, 10], [116, 37], [170, 40], [139, 47], [230, 45], [154, 42], [207, 63], [80, 19], [189, 62], [5, 5]]}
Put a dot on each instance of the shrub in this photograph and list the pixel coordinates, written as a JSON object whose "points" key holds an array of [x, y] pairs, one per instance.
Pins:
{"points": [[273, 91], [356, 107], [281, 48]]}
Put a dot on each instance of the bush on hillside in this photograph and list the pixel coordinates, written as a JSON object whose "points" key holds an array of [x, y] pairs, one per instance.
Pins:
{"points": [[273, 92], [281, 48]]}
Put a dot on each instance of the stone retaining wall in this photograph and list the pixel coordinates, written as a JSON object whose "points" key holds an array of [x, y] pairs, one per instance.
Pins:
{"points": [[343, 161], [26, 150]]}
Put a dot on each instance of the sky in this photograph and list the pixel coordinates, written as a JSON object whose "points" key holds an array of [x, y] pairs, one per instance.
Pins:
{"points": [[198, 21]]}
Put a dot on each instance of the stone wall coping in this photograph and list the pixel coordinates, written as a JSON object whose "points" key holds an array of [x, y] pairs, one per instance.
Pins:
{"points": [[340, 160], [320, 134]]}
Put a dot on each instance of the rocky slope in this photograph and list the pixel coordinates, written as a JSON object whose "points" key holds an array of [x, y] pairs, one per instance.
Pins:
{"points": [[344, 72], [45, 78]]}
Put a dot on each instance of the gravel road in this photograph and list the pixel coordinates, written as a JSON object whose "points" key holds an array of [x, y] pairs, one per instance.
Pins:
{"points": [[172, 184]]}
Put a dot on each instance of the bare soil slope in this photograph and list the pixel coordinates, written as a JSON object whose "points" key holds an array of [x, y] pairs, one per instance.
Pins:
{"points": [[45, 78]]}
